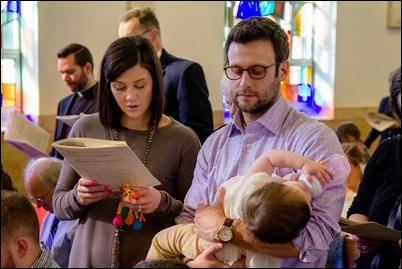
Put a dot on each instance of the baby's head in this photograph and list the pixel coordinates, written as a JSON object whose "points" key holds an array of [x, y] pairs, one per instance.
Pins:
{"points": [[277, 212]]}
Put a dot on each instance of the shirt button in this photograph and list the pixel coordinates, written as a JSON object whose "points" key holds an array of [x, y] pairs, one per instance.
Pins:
{"points": [[249, 146]]}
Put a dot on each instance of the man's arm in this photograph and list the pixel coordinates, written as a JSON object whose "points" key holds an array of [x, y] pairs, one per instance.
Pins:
{"points": [[282, 159], [207, 259], [209, 218]]}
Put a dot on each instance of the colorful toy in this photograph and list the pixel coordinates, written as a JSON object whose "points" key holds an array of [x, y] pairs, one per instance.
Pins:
{"points": [[127, 215]]}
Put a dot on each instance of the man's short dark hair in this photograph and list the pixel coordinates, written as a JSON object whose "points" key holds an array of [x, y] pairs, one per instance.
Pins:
{"points": [[17, 216], [81, 53]]}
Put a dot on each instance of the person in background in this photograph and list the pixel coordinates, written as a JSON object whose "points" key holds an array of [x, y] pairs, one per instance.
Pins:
{"points": [[131, 102], [348, 132], [6, 181], [229, 109], [185, 86], [75, 65], [257, 52], [40, 179], [7, 184], [356, 161], [379, 194], [228, 100], [384, 108], [20, 247]]}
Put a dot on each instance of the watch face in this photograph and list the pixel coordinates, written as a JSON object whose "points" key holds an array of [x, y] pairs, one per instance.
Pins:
{"points": [[225, 234]]}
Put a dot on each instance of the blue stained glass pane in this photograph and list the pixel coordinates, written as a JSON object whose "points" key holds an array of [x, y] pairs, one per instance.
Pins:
{"points": [[304, 92], [10, 13], [267, 7], [14, 6], [248, 9]]}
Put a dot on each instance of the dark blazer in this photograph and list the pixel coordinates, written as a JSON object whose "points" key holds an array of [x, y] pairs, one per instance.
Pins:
{"points": [[384, 108], [64, 108], [187, 95]]}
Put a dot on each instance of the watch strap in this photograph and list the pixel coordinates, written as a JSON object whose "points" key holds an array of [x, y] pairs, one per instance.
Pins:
{"points": [[228, 222]]}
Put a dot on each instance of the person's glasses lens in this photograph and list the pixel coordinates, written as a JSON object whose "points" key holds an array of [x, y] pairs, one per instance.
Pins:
{"points": [[234, 72], [257, 72], [36, 200]]}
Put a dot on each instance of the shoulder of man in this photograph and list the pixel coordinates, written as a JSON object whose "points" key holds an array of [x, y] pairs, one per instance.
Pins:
{"points": [[167, 59], [67, 98]]}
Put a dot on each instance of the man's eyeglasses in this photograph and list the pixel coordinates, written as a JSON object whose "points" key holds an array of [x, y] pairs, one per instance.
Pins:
{"points": [[255, 71], [40, 200]]}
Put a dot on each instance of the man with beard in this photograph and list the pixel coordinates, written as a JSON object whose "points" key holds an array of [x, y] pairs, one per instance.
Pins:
{"points": [[257, 52], [20, 246], [75, 65]]}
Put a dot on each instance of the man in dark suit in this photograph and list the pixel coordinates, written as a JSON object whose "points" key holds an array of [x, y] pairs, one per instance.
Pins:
{"points": [[384, 108], [75, 64], [184, 81]]}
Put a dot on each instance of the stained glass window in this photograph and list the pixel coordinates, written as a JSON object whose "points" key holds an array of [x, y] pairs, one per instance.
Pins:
{"points": [[310, 26], [10, 53]]}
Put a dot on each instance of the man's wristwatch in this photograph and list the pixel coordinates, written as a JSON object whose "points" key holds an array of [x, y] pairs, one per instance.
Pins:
{"points": [[225, 233]]}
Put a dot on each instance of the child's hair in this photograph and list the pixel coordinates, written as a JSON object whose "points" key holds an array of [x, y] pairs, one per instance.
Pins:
{"points": [[346, 129], [274, 214]]}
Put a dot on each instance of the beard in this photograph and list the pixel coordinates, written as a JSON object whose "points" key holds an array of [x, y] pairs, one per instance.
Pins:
{"points": [[265, 99], [80, 84]]}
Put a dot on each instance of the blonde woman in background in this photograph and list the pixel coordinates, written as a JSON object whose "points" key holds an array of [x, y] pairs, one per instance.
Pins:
{"points": [[356, 161]]}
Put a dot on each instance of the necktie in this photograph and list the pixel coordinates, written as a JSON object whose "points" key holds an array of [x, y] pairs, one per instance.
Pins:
{"points": [[52, 233]]}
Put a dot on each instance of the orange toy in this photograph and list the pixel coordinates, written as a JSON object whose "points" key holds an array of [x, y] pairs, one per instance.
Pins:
{"points": [[128, 215]]}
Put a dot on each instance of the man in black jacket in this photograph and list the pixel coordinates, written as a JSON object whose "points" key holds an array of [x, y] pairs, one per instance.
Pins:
{"points": [[75, 65], [186, 91]]}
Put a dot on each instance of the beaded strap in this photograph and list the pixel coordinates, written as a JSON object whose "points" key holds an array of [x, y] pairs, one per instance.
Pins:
{"points": [[138, 221], [116, 249]]}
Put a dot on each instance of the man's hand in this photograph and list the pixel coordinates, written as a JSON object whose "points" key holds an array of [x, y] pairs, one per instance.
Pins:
{"points": [[207, 259], [365, 245], [209, 218]]}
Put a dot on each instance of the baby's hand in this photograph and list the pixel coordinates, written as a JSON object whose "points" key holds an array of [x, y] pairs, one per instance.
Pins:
{"points": [[318, 170]]}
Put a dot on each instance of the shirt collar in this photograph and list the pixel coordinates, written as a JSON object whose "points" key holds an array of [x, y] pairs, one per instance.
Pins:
{"points": [[272, 120], [88, 93]]}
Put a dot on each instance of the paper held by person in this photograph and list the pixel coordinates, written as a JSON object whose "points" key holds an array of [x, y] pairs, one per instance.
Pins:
{"points": [[379, 121], [111, 163], [70, 119], [26, 136]]}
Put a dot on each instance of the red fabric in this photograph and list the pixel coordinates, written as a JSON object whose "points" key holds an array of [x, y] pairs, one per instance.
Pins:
{"points": [[41, 212]]}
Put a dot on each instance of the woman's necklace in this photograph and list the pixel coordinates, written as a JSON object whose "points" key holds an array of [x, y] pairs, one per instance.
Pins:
{"points": [[148, 147], [117, 195]]}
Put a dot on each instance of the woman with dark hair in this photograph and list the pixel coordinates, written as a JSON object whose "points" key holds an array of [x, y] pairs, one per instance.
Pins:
{"points": [[379, 196], [130, 104]]}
